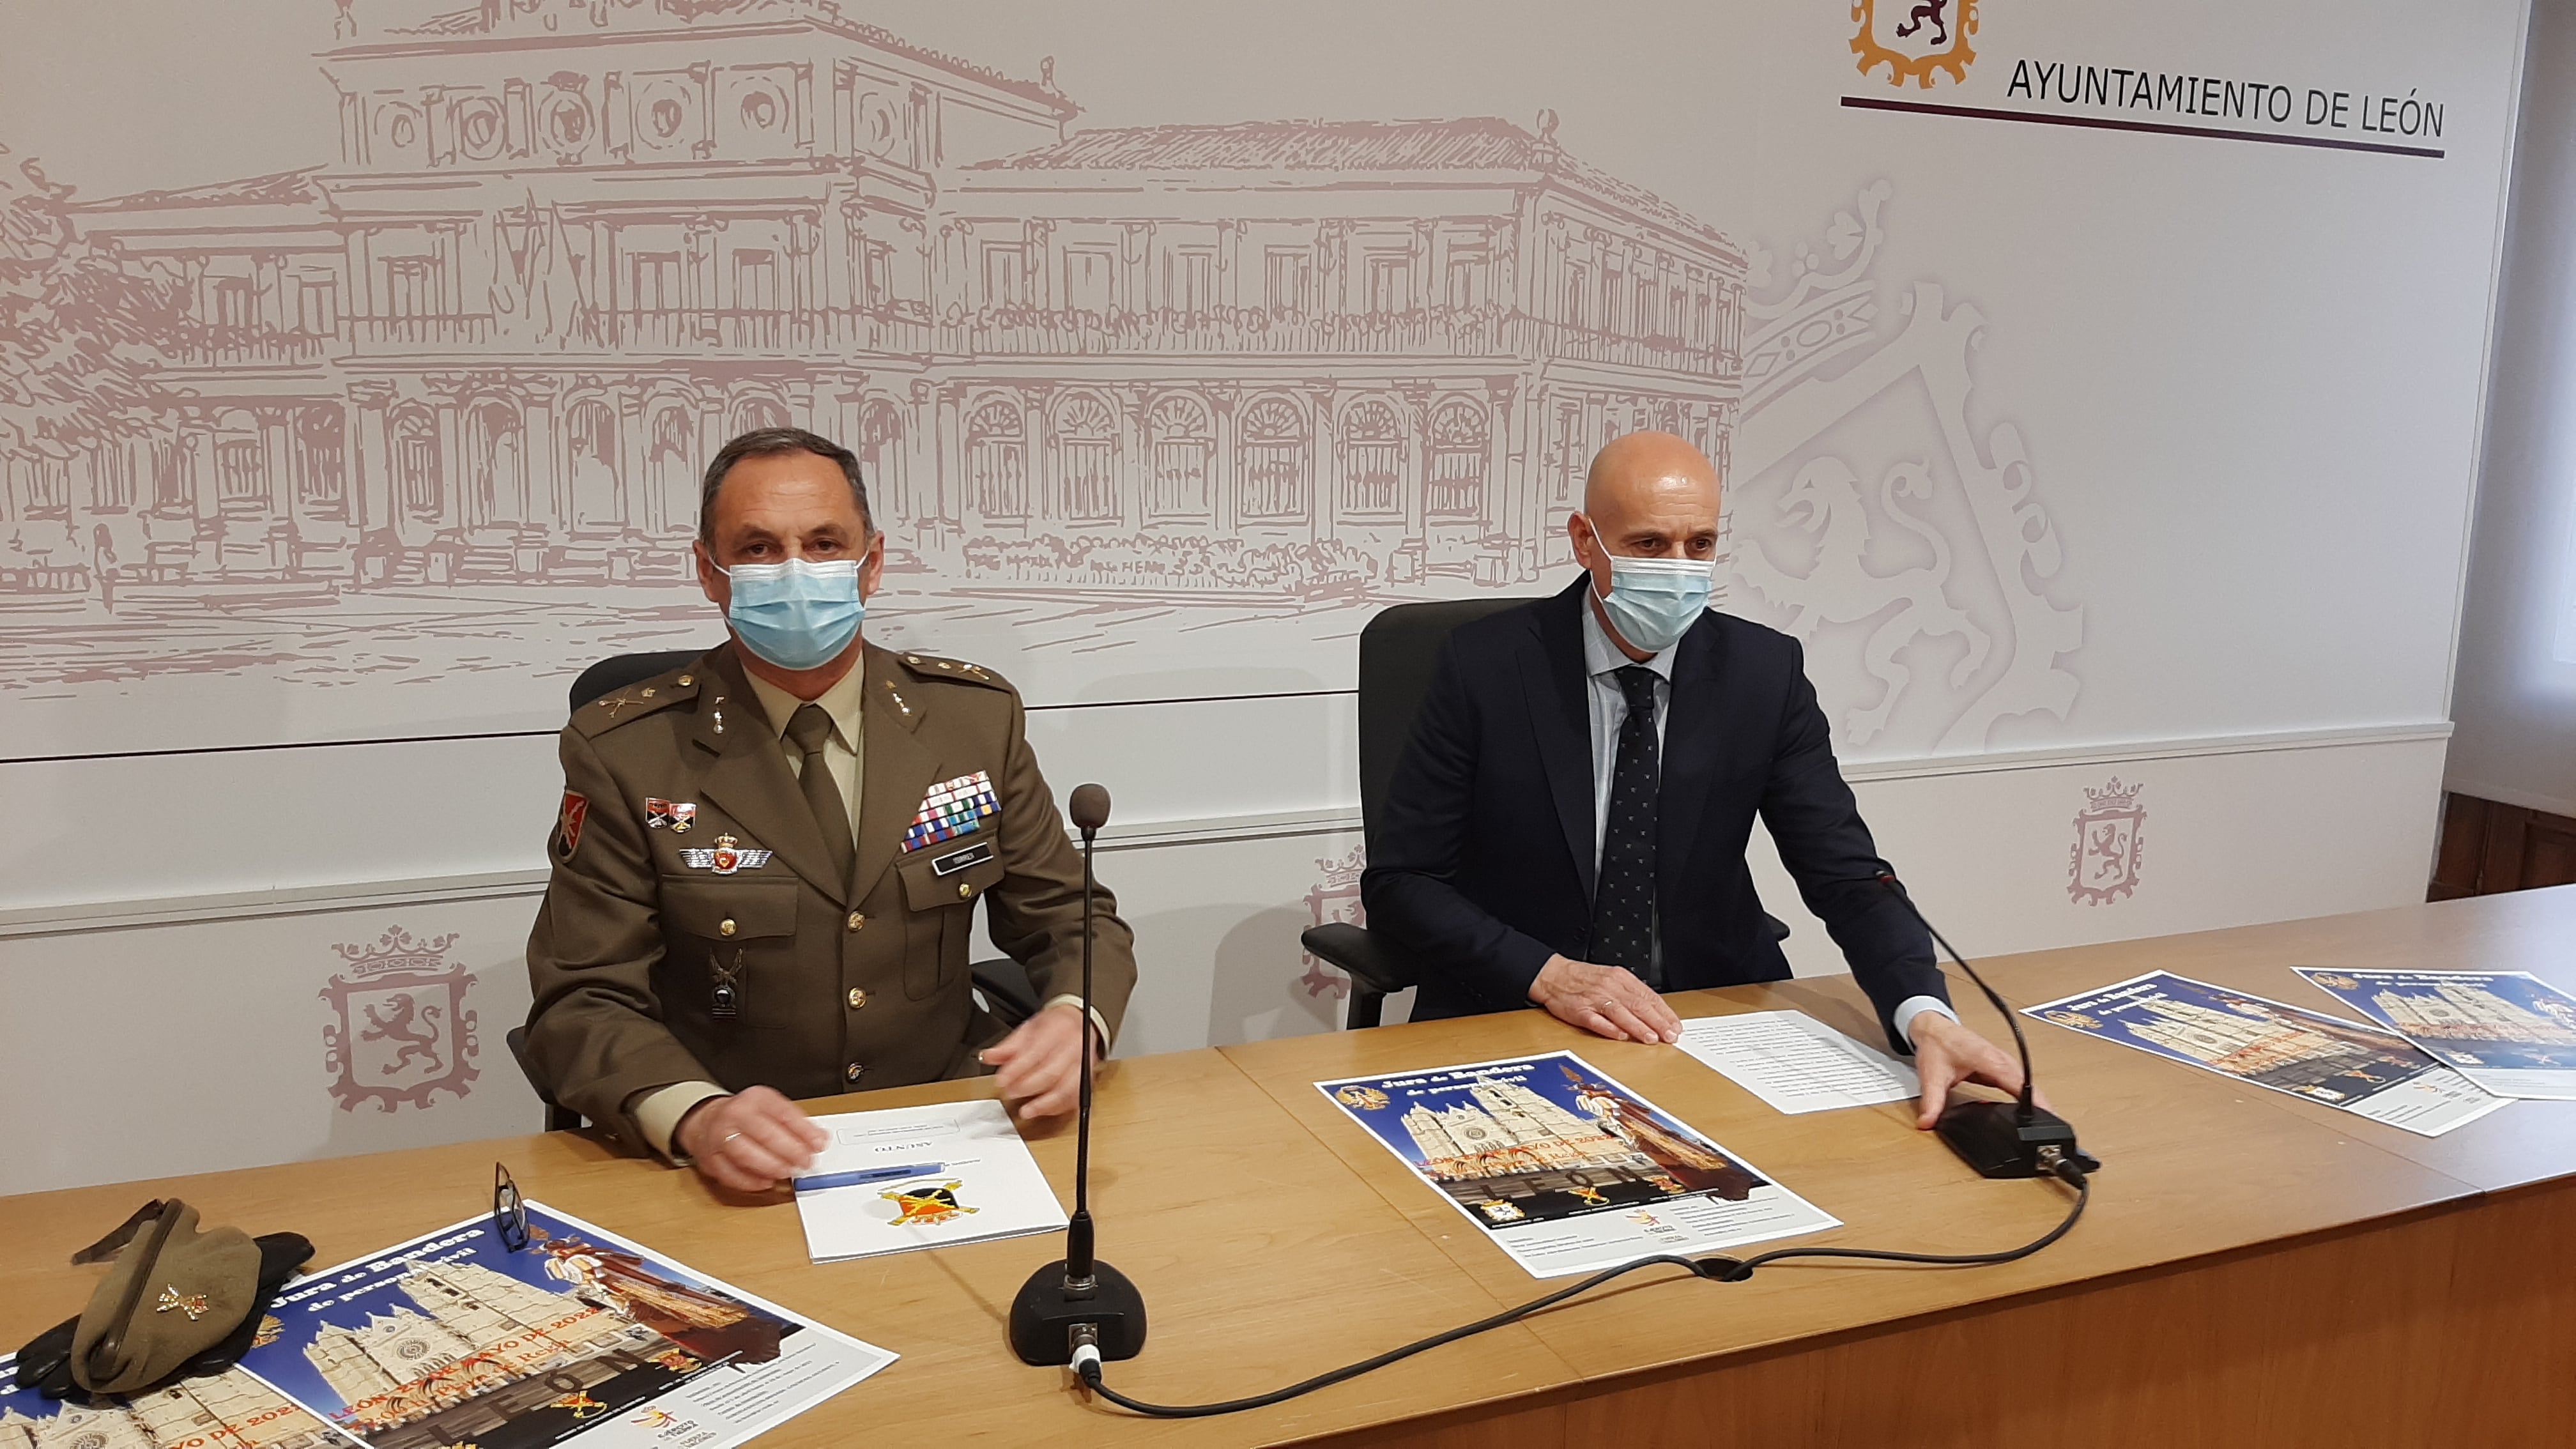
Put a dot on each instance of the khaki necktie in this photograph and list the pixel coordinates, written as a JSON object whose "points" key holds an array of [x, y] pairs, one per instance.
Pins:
{"points": [[809, 729]]}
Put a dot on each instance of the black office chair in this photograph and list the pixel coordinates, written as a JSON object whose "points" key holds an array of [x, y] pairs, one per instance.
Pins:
{"points": [[1003, 985], [1398, 649]]}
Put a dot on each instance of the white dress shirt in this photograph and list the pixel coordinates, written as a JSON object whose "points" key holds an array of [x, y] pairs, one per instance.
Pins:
{"points": [[1602, 661]]}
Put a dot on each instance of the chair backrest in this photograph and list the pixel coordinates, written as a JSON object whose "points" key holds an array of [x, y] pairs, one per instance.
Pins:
{"points": [[618, 671], [1397, 651]]}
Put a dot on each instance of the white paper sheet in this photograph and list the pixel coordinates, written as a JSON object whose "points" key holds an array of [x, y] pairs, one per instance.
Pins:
{"points": [[985, 1183], [1796, 1063], [1566, 1170]]}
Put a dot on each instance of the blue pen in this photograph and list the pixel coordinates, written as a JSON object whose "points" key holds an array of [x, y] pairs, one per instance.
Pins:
{"points": [[822, 1180]]}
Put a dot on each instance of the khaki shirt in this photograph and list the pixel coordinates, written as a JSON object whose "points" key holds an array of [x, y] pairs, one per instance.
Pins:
{"points": [[711, 944]]}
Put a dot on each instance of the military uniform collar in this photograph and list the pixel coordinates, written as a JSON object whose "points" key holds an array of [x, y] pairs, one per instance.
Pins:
{"points": [[841, 702]]}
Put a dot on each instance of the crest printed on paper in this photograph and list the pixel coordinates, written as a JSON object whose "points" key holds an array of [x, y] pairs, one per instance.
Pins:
{"points": [[1915, 39], [2110, 839], [401, 1032]]}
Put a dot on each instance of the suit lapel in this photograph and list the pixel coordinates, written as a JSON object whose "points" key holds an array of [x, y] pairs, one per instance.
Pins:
{"points": [[901, 768], [1552, 677], [743, 771], [1695, 732]]}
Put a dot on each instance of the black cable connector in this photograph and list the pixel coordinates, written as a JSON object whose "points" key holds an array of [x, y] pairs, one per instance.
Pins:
{"points": [[1714, 1268]]}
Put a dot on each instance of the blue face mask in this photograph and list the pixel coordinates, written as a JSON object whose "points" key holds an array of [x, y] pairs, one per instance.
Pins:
{"points": [[798, 614], [1654, 601]]}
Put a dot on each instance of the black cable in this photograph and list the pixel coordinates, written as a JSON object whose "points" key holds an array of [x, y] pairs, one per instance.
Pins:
{"points": [[1715, 1268]]}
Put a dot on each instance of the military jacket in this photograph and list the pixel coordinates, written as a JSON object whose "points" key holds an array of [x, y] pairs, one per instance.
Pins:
{"points": [[693, 928]]}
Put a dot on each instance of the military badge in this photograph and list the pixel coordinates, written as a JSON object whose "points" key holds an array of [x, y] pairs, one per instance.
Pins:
{"points": [[926, 1206], [952, 808], [677, 814], [568, 825], [725, 857]]}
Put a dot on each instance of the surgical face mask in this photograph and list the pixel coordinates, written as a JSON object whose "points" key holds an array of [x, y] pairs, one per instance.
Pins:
{"points": [[799, 614], [1654, 601]]}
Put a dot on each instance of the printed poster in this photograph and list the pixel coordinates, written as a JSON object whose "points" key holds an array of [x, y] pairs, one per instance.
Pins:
{"points": [[1566, 1170], [2508, 1031], [454, 1339], [2344, 1064], [229, 1410]]}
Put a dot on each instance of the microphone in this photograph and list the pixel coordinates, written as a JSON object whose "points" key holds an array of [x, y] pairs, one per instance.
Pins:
{"points": [[1079, 1305], [2002, 1139]]}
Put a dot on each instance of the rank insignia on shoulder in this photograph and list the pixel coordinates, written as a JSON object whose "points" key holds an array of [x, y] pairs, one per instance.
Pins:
{"points": [[677, 814], [725, 857]]}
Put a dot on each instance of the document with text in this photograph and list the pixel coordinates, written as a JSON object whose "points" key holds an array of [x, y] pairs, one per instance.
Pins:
{"points": [[1796, 1063], [923, 1177]]}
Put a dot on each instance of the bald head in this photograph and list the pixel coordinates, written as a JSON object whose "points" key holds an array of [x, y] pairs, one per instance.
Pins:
{"points": [[1641, 467]]}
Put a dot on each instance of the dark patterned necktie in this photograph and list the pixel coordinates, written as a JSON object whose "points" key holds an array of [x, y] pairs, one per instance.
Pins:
{"points": [[1623, 904]]}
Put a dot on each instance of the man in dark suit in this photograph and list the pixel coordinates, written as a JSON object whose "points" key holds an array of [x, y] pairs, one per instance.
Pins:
{"points": [[1568, 823]]}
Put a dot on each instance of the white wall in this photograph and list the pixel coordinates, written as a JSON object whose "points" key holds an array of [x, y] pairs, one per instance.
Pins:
{"points": [[2516, 696], [2189, 427]]}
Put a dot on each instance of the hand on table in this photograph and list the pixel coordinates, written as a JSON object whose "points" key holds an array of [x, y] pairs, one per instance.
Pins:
{"points": [[750, 1141], [1947, 1054], [1041, 1062], [1605, 1001]]}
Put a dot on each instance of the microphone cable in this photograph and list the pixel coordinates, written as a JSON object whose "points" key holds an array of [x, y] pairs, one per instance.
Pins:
{"points": [[1715, 1268]]}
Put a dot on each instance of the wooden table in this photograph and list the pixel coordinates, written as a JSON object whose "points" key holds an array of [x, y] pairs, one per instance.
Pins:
{"points": [[2255, 1268]]}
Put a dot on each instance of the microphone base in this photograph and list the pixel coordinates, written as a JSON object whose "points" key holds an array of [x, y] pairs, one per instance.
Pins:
{"points": [[1992, 1138], [1044, 1316]]}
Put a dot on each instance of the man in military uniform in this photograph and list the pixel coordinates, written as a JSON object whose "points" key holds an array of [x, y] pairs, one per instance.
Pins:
{"points": [[767, 862]]}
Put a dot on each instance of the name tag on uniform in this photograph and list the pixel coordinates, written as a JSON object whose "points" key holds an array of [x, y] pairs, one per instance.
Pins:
{"points": [[957, 860]]}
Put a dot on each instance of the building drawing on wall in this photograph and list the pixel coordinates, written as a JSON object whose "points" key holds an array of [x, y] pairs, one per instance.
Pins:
{"points": [[230, 1409], [496, 336], [433, 406], [2457, 1011]]}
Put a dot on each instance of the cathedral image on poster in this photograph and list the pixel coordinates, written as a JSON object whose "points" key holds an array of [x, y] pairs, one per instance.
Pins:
{"points": [[1524, 1142], [229, 1410], [461, 1340]]}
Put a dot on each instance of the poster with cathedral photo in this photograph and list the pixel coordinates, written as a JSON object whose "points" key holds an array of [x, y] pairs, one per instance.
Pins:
{"points": [[229, 1410], [2344, 1064], [1565, 1169], [2508, 1031], [454, 1338]]}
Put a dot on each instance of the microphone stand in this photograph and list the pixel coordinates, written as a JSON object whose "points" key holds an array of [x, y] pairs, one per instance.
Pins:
{"points": [[1078, 1309], [2002, 1139]]}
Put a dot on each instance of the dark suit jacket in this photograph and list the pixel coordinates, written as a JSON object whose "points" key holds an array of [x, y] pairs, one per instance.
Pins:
{"points": [[1481, 858]]}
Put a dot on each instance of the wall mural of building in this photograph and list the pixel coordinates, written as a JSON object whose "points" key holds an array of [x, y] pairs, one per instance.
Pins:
{"points": [[460, 377]]}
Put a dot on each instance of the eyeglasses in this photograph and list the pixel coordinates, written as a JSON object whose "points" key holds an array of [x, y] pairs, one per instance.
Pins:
{"points": [[509, 1210]]}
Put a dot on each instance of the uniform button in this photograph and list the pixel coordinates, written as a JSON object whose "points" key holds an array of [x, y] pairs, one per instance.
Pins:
{"points": [[965, 889], [857, 920], [858, 998], [725, 926], [855, 1072]]}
